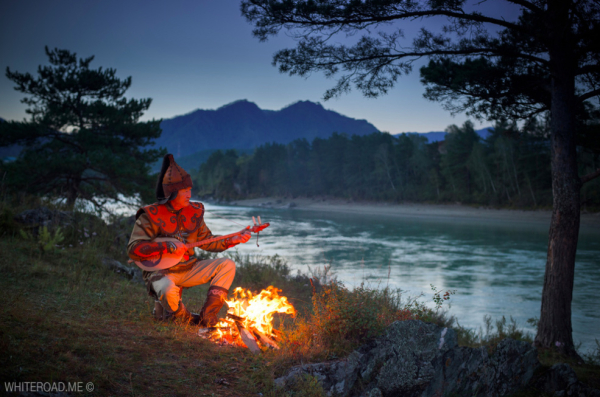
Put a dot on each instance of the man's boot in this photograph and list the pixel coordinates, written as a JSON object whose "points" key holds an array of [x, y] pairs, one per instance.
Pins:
{"points": [[182, 314], [215, 298]]}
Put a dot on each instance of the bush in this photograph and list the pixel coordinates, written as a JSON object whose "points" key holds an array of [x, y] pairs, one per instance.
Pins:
{"points": [[345, 318]]}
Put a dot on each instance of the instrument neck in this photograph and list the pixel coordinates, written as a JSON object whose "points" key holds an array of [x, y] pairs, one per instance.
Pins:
{"points": [[211, 240]]}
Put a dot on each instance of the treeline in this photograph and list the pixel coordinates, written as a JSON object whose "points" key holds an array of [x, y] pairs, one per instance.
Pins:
{"points": [[511, 167]]}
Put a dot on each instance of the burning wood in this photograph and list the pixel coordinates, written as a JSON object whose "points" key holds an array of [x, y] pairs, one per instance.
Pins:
{"points": [[249, 319]]}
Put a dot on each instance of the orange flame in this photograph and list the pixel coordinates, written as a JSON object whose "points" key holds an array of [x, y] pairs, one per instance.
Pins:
{"points": [[257, 310]]}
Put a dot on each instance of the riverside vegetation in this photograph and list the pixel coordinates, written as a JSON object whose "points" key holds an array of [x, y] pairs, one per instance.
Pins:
{"points": [[67, 317], [510, 168]]}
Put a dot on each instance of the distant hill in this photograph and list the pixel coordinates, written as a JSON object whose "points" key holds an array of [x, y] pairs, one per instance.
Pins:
{"points": [[435, 136], [243, 125]]}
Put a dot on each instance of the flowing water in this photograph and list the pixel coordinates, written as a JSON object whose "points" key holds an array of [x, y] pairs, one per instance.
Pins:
{"points": [[496, 268]]}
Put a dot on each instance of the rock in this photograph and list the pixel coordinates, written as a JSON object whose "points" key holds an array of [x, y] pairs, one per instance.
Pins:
{"points": [[473, 372], [74, 225], [414, 358], [561, 380], [291, 205], [44, 216], [132, 273]]}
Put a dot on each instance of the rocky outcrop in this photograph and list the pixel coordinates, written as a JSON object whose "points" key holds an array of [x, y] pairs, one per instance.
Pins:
{"points": [[561, 380], [414, 358]]}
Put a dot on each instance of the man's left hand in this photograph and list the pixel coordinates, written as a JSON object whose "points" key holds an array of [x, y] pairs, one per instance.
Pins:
{"points": [[242, 238]]}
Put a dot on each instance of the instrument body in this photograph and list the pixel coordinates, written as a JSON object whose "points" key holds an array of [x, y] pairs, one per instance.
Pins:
{"points": [[165, 260]]}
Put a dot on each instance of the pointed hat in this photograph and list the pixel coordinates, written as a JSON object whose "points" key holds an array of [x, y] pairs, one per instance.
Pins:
{"points": [[171, 179]]}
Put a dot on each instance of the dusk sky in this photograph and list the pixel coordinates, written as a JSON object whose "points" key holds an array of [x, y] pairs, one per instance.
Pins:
{"points": [[186, 55]]}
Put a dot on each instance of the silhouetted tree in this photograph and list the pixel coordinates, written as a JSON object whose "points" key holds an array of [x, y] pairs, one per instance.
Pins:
{"points": [[84, 139], [546, 61]]}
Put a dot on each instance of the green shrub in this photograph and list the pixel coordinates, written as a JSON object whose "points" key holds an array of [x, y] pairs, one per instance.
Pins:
{"points": [[46, 241]]}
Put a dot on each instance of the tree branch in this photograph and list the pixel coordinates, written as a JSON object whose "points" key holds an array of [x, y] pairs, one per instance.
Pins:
{"points": [[404, 15], [587, 69], [590, 176], [526, 4], [589, 95], [472, 51]]}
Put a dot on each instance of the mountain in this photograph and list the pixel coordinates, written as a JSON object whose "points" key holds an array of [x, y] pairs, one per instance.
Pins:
{"points": [[435, 136], [243, 125]]}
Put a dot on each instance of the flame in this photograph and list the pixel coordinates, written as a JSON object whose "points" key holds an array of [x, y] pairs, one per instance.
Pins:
{"points": [[257, 310]]}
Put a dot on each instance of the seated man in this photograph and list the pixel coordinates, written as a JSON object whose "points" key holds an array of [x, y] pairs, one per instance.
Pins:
{"points": [[175, 216]]}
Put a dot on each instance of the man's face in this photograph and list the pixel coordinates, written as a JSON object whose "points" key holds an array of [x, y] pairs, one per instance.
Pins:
{"points": [[183, 198]]}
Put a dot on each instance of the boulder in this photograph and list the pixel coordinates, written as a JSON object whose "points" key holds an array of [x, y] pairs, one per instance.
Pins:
{"points": [[130, 272], [414, 358], [44, 216]]}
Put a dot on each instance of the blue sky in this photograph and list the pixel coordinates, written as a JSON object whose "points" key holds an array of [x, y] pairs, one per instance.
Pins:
{"points": [[187, 54]]}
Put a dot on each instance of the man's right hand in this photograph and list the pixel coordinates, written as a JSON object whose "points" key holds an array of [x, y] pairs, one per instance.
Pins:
{"points": [[180, 248]]}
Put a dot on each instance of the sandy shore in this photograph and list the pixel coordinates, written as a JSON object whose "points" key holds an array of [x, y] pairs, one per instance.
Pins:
{"points": [[450, 212]]}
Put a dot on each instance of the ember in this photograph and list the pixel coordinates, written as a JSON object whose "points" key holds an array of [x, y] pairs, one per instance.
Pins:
{"points": [[249, 319]]}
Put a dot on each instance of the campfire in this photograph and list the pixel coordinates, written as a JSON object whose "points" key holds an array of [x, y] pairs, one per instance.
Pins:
{"points": [[249, 320]]}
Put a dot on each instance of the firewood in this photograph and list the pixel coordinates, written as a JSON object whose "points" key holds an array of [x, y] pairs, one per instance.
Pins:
{"points": [[236, 318], [276, 334], [264, 339], [212, 329], [247, 338]]}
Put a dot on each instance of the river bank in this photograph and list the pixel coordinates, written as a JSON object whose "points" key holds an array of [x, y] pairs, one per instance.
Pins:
{"points": [[437, 212]]}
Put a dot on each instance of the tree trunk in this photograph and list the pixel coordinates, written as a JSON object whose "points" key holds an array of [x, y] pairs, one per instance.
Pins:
{"points": [[73, 193], [555, 330]]}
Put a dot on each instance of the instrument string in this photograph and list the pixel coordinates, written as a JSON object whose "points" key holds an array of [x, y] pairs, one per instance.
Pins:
{"points": [[212, 213]]}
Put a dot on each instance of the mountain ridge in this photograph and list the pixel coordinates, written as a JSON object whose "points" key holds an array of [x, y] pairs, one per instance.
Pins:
{"points": [[243, 125]]}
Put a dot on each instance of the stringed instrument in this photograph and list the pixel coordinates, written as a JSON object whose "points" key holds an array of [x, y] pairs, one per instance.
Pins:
{"points": [[165, 259]]}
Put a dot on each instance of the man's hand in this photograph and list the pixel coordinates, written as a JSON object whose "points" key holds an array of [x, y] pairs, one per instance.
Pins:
{"points": [[176, 248], [242, 238]]}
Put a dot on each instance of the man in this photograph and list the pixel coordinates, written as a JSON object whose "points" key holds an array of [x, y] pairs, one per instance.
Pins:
{"points": [[173, 215]]}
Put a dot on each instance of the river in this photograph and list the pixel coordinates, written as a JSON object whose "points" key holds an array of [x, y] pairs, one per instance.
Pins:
{"points": [[496, 268]]}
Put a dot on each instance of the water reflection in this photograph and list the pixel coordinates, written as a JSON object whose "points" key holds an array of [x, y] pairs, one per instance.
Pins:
{"points": [[496, 268]]}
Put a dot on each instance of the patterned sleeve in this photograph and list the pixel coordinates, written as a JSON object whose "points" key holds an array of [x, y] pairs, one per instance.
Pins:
{"points": [[140, 243]]}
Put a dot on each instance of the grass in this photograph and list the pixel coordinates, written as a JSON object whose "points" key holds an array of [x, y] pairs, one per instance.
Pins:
{"points": [[67, 318]]}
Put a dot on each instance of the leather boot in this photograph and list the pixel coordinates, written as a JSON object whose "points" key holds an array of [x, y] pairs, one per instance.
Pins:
{"points": [[182, 314], [215, 298]]}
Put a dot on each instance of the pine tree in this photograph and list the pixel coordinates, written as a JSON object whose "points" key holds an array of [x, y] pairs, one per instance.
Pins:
{"points": [[546, 61], [84, 139]]}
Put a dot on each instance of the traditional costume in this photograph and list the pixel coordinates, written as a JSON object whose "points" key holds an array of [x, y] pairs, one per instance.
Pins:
{"points": [[187, 225]]}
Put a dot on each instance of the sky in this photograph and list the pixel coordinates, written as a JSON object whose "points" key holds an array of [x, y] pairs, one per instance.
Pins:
{"points": [[188, 55]]}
